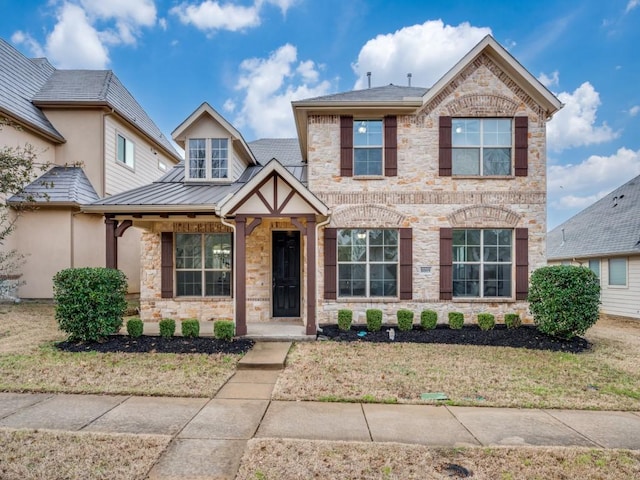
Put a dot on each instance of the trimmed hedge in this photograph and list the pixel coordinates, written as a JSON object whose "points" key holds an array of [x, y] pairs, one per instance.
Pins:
{"points": [[486, 321], [512, 320], [345, 317], [191, 328], [167, 327], [428, 319], [223, 330], [374, 319], [90, 302], [456, 320], [564, 300], [405, 320], [135, 326]]}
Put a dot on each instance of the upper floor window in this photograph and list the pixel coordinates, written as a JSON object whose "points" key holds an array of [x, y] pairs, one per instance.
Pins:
{"points": [[481, 146], [125, 151], [367, 147], [208, 158]]}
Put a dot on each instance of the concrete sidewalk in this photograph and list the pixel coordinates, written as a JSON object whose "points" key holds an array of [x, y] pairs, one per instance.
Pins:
{"points": [[209, 435]]}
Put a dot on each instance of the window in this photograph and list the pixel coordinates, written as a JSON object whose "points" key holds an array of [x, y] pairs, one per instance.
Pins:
{"points": [[125, 151], [482, 263], [203, 264], [367, 263], [367, 147], [216, 150], [162, 166], [618, 272], [481, 146], [594, 266]]}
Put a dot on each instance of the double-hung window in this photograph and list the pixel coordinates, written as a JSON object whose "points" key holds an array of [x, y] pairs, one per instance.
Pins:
{"points": [[208, 158], [125, 151], [203, 264], [481, 146], [618, 272], [482, 263], [367, 147], [367, 263], [594, 266]]}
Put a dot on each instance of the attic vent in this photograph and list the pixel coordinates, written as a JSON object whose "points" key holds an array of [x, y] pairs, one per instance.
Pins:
{"points": [[369, 79]]}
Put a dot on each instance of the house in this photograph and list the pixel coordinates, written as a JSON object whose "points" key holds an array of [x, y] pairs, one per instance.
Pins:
{"points": [[391, 197], [97, 140], [605, 237]]}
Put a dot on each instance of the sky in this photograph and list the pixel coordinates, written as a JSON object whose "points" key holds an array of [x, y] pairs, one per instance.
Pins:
{"points": [[250, 58]]}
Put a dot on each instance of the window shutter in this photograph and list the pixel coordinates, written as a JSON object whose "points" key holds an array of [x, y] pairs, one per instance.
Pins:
{"points": [[346, 146], [390, 146], [406, 264], [445, 147], [166, 267], [522, 146], [330, 261], [522, 263], [446, 263]]}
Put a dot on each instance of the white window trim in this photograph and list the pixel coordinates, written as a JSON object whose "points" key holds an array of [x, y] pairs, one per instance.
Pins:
{"points": [[127, 141], [626, 280], [481, 148], [208, 160], [354, 148]]}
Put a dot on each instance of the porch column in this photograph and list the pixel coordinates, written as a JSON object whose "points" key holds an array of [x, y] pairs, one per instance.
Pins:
{"points": [[111, 243], [240, 275], [311, 276]]}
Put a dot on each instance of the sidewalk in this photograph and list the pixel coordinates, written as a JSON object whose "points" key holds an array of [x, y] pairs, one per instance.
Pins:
{"points": [[209, 435]]}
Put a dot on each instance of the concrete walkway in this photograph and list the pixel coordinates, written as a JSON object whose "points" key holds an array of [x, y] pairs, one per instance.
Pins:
{"points": [[209, 435]]}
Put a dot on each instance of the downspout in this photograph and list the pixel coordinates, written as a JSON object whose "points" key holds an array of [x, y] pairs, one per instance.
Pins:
{"points": [[235, 253]]}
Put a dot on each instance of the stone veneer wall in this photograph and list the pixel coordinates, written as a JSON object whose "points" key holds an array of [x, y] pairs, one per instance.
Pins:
{"points": [[419, 198]]}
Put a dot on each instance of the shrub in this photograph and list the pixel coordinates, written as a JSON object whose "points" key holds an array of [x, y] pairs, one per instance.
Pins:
{"points": [[456, 320], [90, 302], [191, 328], [405, 319], [223, 329], [374, 319], [564, 300], [486, 321], [428, 319], [345, 317], [167, 327], [512, 320], [135, 327]]}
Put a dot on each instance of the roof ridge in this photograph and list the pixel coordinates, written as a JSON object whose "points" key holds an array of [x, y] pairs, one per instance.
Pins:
{"points": [[107, 84]]}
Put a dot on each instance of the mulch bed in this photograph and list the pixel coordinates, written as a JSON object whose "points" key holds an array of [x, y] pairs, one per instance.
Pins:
{"points": [[527, 336], [144, 344]]}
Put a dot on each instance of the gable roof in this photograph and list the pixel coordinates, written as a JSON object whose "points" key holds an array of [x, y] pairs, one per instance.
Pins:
{"points": [[611, 226], [388, 93], [59, 186]]}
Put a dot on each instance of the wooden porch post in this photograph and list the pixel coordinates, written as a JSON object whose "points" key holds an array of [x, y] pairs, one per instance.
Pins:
{"points": [[111, 243], [241, 276], [311, 276]]}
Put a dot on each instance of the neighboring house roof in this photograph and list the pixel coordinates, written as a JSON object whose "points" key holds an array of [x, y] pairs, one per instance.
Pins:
{"points": [[20, 79], [60, 185], [609, 227]]}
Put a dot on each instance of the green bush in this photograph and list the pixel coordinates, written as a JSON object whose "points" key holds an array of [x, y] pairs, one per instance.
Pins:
{"points": [[456, 320], [374, 319], [428, 319], [90, 302], [223, 329], [486, 321], [345, 317], [564, 300], [135, 327], [167, 327], [191, 328], [512, 320], [405, 320]]}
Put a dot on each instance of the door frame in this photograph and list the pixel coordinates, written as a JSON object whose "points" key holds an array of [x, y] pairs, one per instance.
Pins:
{"points": [[300, 272]]}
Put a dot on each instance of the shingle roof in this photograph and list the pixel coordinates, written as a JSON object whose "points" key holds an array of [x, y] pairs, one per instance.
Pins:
{"points": [[608, 227], [285, 150], [20, 79], [388, 93], [59, 185]]}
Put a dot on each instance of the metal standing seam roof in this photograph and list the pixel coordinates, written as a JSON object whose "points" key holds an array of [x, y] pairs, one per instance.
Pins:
{"points": [[59, 185], [611, 226]]}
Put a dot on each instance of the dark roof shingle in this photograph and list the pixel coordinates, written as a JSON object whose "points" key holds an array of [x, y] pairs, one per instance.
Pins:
{"points": [[59, 185], [387, 93]]}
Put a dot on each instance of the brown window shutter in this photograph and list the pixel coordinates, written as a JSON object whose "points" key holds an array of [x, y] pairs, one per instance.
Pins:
{"points": [[346, 146], [522, 263], [330, 263], [446, 263], [522, 146], [444, 154], [406, 264], [390, 146], [166, 268]]}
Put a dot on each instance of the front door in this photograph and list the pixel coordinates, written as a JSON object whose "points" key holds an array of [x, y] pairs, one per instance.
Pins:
{"points": [[286, 274]]}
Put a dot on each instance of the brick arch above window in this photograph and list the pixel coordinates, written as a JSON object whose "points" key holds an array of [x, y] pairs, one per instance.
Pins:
{"points": [[477, 216], [363, 216], [482, 105]]}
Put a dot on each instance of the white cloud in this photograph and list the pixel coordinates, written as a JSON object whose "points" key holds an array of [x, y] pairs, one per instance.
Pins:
{"points": [[427, 51], [284, 5], [22, 38], [211, 15], [163, 23], [631, 5], [549, 80], [575, 125], [128, 15], [268, 87], [633, 111], [229, 106]]}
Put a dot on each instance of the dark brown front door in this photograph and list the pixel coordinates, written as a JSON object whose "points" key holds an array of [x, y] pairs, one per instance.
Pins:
{"points": [[286, 274]]}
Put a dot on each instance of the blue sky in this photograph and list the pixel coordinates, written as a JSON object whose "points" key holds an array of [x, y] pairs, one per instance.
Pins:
{"points": [[250, 58]]}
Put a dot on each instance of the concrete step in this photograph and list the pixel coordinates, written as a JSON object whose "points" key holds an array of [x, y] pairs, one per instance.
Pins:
{"points": [[265, 356]]}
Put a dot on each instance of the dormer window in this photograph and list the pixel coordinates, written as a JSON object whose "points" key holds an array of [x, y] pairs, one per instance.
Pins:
{"points": [[208, 158]]}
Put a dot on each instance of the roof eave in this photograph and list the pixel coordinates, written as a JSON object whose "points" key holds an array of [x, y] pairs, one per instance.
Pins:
{"points": [[107, 209], [33, 127]]}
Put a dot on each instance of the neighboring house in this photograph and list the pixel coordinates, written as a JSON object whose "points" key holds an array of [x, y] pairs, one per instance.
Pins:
{"points": [[99, 142], [392, 197], [605, 237]]}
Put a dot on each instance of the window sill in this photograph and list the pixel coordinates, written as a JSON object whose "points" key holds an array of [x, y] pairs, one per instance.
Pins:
{"points": [[368, 177], [209, 181], [485, 300], [128, 167], [484, 177], [198, 299], [368, 299]]}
